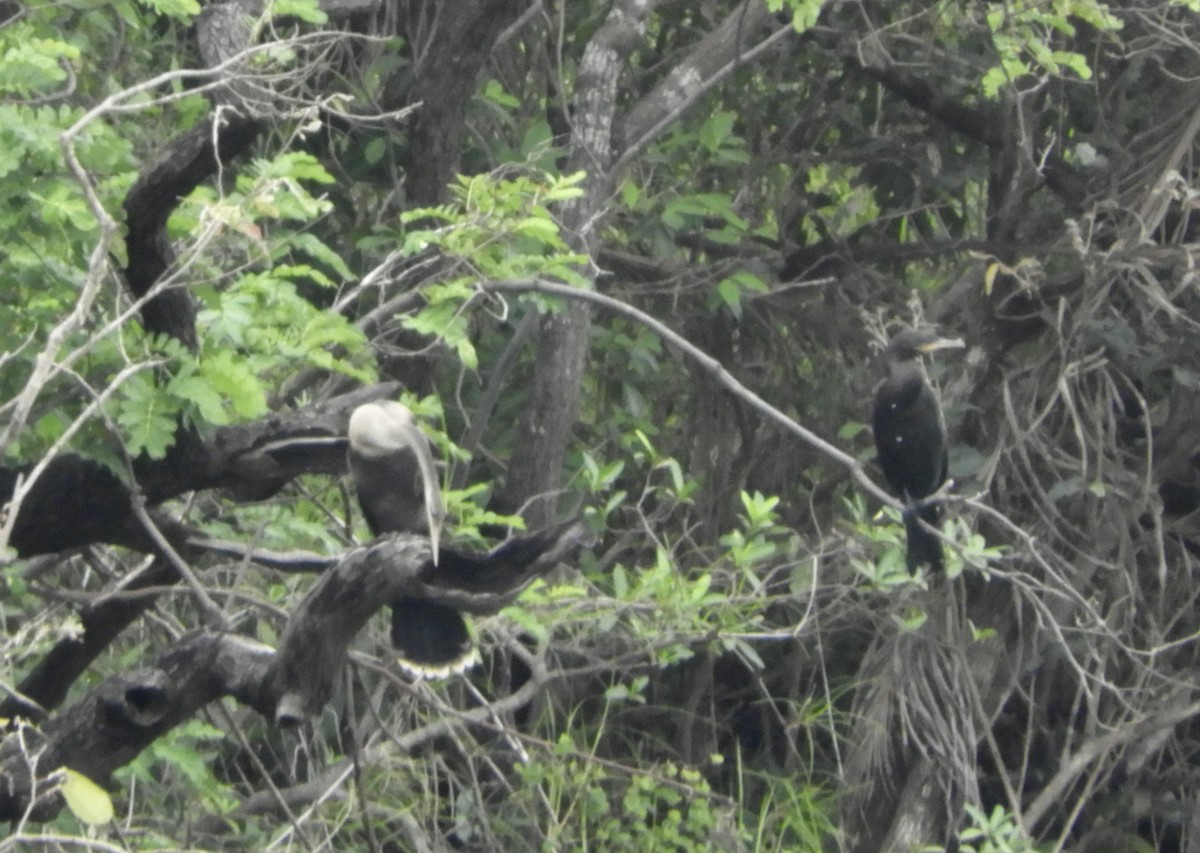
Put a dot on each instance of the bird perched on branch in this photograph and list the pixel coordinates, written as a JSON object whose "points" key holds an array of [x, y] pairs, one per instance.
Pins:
{"points": [[910, 436], [392, 466]]}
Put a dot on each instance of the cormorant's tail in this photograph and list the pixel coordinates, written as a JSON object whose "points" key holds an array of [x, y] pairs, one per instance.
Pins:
{"points": [[924, 548], [431, 639]]}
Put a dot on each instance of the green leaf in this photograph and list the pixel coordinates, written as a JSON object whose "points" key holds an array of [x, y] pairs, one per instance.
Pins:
{"points": [[147, 415], [1064, 488], [233, 378], [982, 633], [319, 251], [716, 130], [375, 149], [730, 289], [537, 143], [911, 619], [731, 295], [31, 63], [445, 320], [528, 622], [182, 9], [199, 392], [308, 11], [493, 90], [298, 165], [620, 581], [631, 192], [993, 81], [850, 429], [545, 230]]}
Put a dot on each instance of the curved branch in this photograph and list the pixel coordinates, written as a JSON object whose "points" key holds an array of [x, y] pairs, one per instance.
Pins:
{"points": [[708, 364], [77, 501], [314, 643], [191, 158], [184, 164], [741, 38], [125, 714]]}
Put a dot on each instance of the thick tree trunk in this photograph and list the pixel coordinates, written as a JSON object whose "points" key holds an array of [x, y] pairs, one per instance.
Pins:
{"points": [[453, 43], [534, 475], [535, 472]]}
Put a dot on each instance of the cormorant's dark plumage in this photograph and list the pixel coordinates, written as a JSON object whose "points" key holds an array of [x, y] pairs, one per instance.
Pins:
{"points": [[910, 436], [392, 466]]}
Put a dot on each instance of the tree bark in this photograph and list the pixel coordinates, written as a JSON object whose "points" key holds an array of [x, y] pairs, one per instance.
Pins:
{"points": [[454, 41], [747, 27], [535, 472]]}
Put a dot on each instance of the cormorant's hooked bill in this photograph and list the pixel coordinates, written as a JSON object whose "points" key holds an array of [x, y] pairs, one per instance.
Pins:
{"points": [[910, 436], [392, 465]]}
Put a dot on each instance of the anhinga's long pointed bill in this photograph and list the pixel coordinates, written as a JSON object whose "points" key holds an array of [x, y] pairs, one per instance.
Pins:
{"points": [[435, 509]]}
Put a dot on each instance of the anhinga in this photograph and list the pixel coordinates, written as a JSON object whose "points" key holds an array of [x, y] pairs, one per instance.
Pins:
{"points": [[392, 466], [910, 436]]}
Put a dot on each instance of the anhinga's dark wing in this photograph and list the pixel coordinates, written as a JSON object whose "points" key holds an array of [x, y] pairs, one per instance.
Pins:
{"points": [[911, 441], [390, 492], [431, 637]]}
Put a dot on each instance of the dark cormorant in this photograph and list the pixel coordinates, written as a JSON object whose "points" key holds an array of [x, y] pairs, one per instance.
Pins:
{"points": [[910, 436], [392, 466]]}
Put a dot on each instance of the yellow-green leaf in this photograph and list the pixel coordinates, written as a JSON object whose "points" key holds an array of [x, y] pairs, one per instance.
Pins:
{"points": [[989, 278], [86, 800]]}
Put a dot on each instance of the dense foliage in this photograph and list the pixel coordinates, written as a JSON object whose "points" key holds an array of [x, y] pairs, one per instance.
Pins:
{"points": [[630, 262]]}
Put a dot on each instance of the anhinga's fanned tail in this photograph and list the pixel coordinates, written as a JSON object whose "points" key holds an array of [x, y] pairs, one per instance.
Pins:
{"points": [[431, 640], [429, 634]]}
